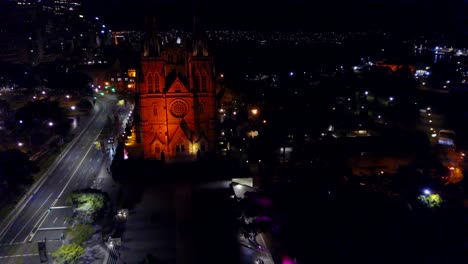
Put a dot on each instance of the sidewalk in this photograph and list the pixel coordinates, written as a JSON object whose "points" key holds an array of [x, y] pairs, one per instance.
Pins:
{"points": [[261, 249]]}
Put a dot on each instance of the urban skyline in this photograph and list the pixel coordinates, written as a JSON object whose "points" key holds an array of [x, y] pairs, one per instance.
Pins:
{"points": [[293, 15]]}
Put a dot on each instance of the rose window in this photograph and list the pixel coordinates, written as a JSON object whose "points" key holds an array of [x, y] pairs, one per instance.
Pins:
{"points": [[178, 108]]}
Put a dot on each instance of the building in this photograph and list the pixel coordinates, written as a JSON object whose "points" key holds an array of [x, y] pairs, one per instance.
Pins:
{"points": [[175, 102]]}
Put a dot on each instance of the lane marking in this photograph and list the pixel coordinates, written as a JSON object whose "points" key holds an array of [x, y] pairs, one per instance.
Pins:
{"points": [[19, 256], [52, 228], [60, 207], [79, 166], [37, 211], [55, 220], [19, 207]]}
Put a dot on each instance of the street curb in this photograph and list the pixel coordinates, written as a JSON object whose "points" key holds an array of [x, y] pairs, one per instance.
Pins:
{"points": [[35, 187]]}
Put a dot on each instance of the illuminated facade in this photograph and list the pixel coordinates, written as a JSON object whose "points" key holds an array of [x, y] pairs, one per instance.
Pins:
{"points": [[176, 111]]}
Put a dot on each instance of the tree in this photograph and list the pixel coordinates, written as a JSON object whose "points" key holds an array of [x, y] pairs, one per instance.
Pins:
{"points": [[431, 200], [68, 253], [87, 205], [15, 168], [80, 233]]}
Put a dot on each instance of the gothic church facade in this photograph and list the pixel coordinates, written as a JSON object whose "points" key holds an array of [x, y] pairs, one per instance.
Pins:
{"points": [[176, 98]]}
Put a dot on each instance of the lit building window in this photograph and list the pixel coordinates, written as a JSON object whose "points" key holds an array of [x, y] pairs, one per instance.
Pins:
{"points": [[132, 73], [203, 85], [150, 83]]}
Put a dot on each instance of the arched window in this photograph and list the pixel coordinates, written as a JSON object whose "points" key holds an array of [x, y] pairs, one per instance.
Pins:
{"points": [[156, 83], [155, 109], [150, 83], [203, 83]]}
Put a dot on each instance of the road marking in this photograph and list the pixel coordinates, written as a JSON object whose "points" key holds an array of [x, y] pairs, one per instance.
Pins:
{"points": [[77, 167], [60, 207], [37, 211], [19, 207], [52, 228], [55, 220], [19, 256]]}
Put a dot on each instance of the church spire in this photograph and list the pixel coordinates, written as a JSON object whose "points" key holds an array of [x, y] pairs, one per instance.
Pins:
{"points": [[200, 42], [151, 46]]}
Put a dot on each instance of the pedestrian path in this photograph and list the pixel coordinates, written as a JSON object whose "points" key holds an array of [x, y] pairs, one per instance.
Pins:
{"points": [[114, 255], [258, 245]]}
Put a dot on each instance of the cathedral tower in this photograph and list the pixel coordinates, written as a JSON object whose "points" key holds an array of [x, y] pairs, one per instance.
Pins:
{"points": [[176, 111]]}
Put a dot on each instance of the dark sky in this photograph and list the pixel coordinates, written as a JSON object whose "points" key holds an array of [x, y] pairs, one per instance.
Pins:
{"points": [[292, 14]]}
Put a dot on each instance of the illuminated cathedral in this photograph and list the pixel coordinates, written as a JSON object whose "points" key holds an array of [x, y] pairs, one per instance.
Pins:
{"points": [[175, 97]]}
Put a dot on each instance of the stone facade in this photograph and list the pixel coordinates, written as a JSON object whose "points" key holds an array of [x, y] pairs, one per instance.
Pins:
{"points": [[176, 99]]}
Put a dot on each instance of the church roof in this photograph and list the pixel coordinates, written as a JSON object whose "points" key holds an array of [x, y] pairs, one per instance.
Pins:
{"points": [[172, 77], [157, 138]]}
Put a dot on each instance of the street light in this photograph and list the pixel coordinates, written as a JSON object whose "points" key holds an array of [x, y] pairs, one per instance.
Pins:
{"points": [[51, 124]]}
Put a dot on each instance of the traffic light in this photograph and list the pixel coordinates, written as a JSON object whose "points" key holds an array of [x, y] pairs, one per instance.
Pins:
{"points": [[113, 89]]}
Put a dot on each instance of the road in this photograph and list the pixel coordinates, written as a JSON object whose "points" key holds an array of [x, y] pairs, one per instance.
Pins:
{"points": [[43, 213]]}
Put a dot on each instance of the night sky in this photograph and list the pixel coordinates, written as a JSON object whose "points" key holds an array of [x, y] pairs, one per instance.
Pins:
{"points": [[408, 15]]}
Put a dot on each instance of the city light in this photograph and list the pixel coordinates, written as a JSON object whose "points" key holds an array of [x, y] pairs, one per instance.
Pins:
{"points": [[254, 111], [426, 191], [51, 124]]}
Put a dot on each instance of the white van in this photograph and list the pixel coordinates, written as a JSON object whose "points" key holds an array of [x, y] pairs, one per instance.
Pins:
{"points": [[447, 137]]}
